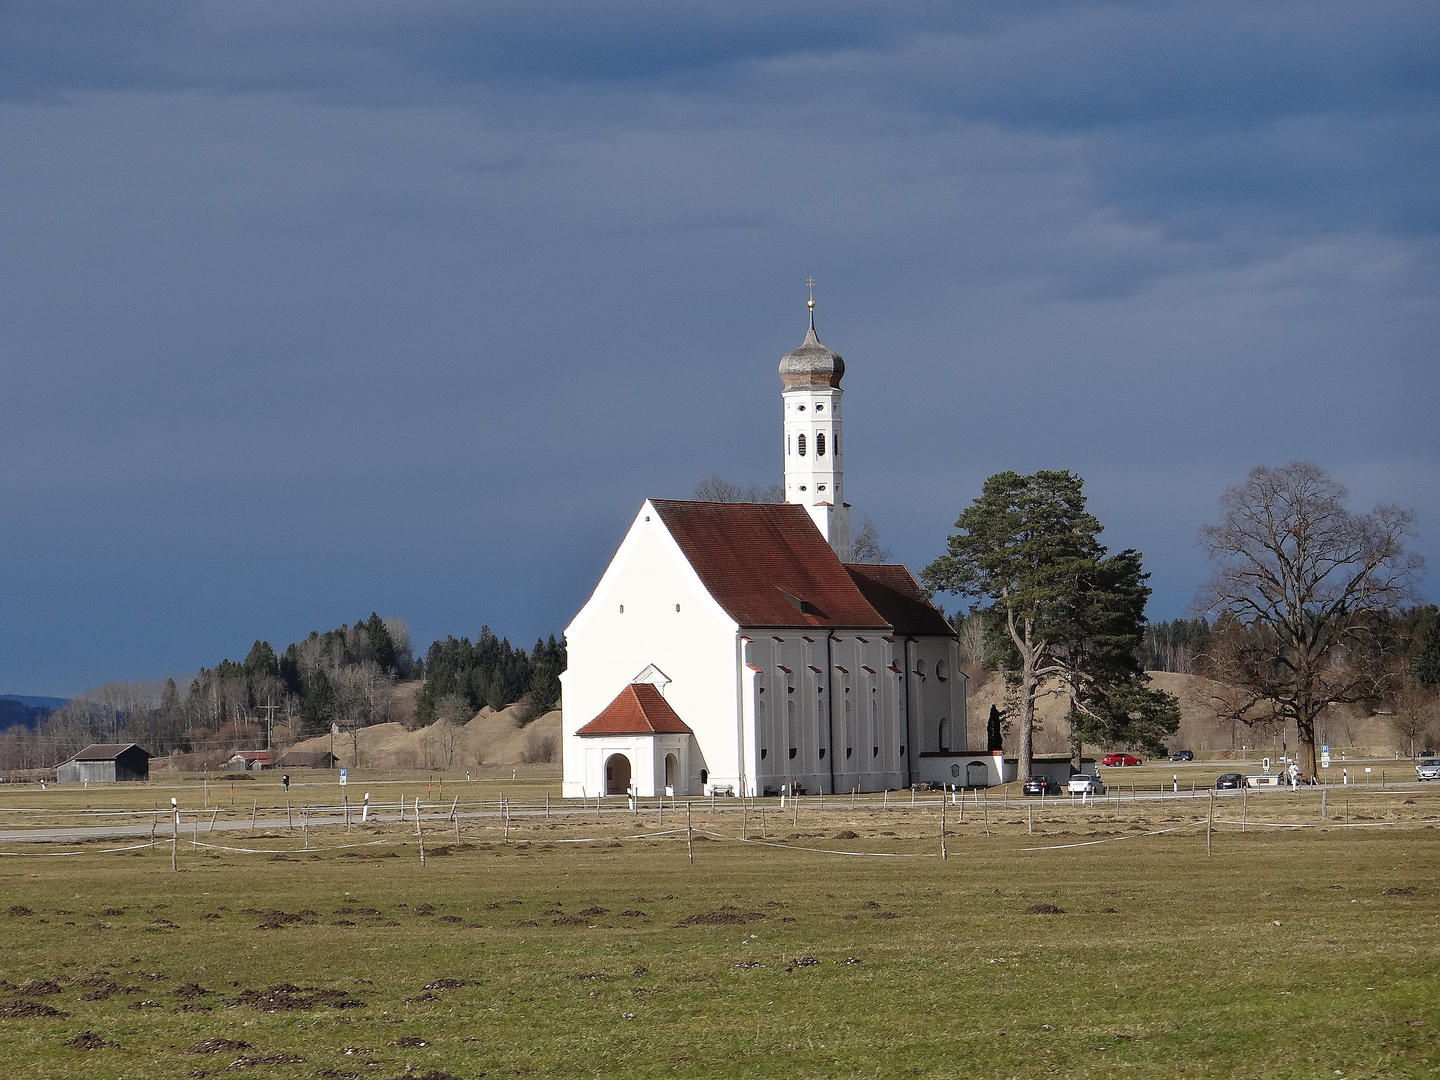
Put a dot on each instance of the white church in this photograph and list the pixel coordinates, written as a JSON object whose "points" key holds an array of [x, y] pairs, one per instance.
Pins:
{"points": [[734, 648]]}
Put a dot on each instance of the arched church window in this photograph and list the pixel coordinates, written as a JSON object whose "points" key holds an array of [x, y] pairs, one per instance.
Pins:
{"points": [[944, 734], [790, 726], [942, 669], [800, 444], [837, 444], [920, 667], [820, 444]]}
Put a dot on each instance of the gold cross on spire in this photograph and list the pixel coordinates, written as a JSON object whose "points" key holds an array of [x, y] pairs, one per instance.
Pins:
{"points": [[810, 284]]}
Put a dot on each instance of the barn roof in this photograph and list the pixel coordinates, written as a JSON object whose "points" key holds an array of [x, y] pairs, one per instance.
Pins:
{"points": [[105, 751], [767, 565], [637, 710], [893, 591]]}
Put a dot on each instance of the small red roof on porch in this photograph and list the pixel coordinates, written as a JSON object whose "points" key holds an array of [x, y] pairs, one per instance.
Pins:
{"points": [[637, 710]]}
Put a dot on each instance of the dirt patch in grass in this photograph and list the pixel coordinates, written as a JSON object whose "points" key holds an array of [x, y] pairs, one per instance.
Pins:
{"points": [[286, 997], [448, 984], [726, 916], [20, 911], [1043, 909], [569, 920], [191, 991], [847, 834], [40, 987], [87, 1040], [245, 1061], [29, 1010]]}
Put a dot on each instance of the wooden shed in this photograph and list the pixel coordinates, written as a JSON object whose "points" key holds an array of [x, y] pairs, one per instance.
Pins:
{"points": [[106, 763]]}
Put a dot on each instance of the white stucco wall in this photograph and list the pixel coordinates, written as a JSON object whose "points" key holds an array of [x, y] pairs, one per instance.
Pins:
{"points": [[696, 646]]}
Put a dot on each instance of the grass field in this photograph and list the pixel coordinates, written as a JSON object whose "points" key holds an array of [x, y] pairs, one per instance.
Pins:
{"points": [[591, 945]]}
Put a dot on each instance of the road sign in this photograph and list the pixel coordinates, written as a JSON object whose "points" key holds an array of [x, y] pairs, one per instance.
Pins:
{"points": [[1325, 758], [344, 776]]}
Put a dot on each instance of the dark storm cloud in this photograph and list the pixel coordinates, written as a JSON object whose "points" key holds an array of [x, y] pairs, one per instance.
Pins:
{"points": [[313, 308]]}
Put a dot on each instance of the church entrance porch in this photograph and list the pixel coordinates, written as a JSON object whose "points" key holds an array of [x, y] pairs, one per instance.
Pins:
{"points": [[617, 775], [962, 768]]}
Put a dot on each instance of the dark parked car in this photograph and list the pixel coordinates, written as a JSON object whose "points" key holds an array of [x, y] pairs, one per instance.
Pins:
{"points": [[1183, 755], [1041, 785], [1229, 780]]}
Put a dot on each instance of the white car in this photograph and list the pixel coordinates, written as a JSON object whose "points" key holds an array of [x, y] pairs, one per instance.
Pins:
{"points": [[1086, 785], [1428, 769]]}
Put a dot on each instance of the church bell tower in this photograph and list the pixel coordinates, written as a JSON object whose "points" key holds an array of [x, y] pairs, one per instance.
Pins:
{"points": [[814, 477]]}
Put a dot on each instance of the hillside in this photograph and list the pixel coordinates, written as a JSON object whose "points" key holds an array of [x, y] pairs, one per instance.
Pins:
{"points": [[1199, 731], [491, 738]]}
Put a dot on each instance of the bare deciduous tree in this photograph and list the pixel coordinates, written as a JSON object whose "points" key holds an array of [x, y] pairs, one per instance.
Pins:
{"points": [[539, 749], [1302, 586], [1417, 714], [715, 488], [866, 547]]}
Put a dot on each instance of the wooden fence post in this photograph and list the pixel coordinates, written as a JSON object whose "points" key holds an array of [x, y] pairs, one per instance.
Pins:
{"points": [[1210, 828]]}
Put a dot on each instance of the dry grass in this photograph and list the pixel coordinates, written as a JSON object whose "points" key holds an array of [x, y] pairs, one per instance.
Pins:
{"points": [[590, 944]]}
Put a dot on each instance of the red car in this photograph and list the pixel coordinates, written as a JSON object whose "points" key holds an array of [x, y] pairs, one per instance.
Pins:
{"points": [[1119, 759]]}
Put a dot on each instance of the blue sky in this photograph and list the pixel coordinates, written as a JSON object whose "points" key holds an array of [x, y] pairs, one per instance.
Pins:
{"points": [[309, 309]]}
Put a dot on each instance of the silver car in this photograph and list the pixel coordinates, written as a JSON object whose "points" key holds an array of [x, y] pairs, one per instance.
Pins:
{"points": [[1428, 769], [1086, 785]]}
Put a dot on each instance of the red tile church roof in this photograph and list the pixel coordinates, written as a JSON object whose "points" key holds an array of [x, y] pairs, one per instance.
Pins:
{"points": [[893, 591], [767, 565], [637, 710]]}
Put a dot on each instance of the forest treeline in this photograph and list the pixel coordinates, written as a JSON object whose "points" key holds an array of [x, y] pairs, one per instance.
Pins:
{"points": [[342, 676]]}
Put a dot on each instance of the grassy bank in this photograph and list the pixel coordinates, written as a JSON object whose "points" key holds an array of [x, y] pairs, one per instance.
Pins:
{"points": [[593, 946]]}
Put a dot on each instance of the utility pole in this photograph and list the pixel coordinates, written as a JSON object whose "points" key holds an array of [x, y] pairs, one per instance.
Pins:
{"points": [[269, 711]]}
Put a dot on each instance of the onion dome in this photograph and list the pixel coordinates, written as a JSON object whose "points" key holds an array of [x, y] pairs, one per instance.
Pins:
{"points": [[812, 364]]}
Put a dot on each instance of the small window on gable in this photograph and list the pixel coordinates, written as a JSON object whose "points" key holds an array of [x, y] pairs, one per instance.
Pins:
{"points": [[820, 444], [942, 670], [800, 444]]}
